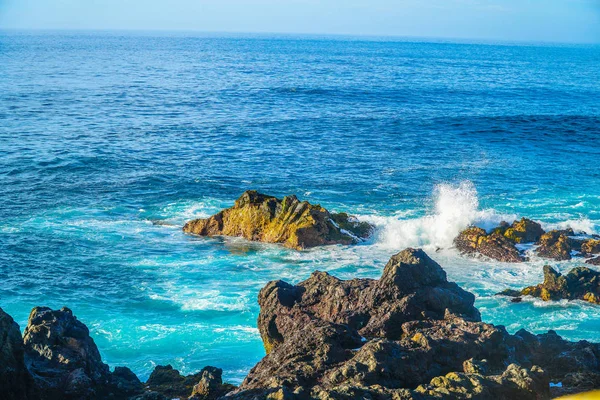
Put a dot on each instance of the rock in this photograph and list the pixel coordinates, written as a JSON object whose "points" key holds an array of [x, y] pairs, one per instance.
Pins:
{"points": [[524, 231], [496, 246], [591, 246], [211, 385], [204, 385], [62, 357], [557, 245], [593, 261], [293, 223], [412, 286], [65, 362], [409, 335], [15, 381], [125, 382], [580, 283]]}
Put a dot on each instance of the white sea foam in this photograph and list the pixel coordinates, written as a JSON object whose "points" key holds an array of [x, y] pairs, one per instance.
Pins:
{"points": [[578, 225], [456, 207]]}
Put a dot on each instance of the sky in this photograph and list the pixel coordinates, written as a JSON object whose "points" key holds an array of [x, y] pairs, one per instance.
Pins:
{"points": [[513, 20]]}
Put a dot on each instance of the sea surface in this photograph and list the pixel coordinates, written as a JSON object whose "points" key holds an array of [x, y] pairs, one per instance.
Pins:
{"points": [[111, 141]]}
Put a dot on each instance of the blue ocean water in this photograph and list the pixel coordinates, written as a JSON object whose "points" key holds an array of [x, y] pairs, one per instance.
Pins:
{"points": [[109, 142]]}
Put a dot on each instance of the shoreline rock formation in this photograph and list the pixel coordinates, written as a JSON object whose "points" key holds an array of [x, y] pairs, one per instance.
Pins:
{"points": [[295, 224], [580, 283], [501, 242], [409, 335]]}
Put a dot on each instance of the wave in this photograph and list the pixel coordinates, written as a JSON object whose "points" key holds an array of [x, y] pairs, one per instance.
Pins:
{"points": [[456, 207]]}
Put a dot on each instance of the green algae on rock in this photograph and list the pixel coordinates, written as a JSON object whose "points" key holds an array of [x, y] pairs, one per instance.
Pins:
{"points": [[580, 283], [495, 245], [295, 224]]}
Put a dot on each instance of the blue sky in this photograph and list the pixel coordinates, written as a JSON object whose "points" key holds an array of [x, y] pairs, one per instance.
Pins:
{"points": [[527, 20]]}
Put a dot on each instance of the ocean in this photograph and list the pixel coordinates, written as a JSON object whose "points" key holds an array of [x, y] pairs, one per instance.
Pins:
{"points": [[111, 141]]}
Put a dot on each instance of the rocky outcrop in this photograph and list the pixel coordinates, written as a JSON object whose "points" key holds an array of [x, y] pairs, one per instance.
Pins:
{"points": [[476, 241], [204, 385], [289, 221], [409, 335], [15, 381], [593, 261], [557, 245], [65, 362], [523, 231], [580, 283], [500, 243], [590, 247]]}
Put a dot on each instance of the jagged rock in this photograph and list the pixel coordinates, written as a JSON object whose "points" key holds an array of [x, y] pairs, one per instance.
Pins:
{"points": [[211, 385], [62, 357], [15, 381], [580, 283], [65, 362], [495, 245], [293, 223], [514, 383], [125, 382], [412, 286], [557, 245], [204, 385], [591, 246], [593, 261], [390, 339], [524, 231]]}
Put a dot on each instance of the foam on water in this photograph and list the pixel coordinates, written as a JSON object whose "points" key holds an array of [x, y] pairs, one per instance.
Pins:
{"points": [[455, 208]]}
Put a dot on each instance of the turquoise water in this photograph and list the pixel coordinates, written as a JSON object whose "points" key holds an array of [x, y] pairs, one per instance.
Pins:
{"points": [[110, 141]]}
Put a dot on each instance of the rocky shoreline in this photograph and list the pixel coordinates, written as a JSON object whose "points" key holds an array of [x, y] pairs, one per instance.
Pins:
{"points": [[501, 243], [409, 335]]}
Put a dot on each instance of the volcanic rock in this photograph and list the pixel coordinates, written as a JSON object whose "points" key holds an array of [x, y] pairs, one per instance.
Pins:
{"points": [[409, 335], [580, 283], [294, 223], [524, 231], [558, 245], [15, 381], [495, 245]]}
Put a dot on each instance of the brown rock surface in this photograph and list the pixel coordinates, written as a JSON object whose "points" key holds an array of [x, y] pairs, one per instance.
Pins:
{"points": [[295, 224], [580, 283], [495, 245]]}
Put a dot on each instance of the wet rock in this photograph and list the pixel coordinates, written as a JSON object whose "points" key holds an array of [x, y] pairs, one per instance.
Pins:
{"points": [[593, 261], [495, 245], [580, 283], [557, 245], [590, 247], [294, 223], [524, 231], [15, 381]]}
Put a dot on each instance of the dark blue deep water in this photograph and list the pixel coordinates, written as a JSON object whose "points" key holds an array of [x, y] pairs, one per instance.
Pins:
{"points": [[109, 142]]}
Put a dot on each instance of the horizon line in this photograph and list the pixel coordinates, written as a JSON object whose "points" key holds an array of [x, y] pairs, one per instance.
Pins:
{"points": [[485, 40]]}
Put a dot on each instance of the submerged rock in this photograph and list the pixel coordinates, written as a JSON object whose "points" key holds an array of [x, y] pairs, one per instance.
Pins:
{"points": [[294, 223], [580, 283], [495, 245], [409, 335]]}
